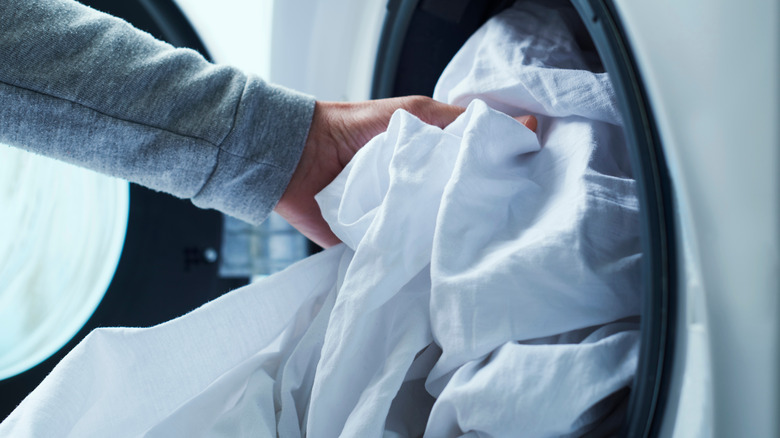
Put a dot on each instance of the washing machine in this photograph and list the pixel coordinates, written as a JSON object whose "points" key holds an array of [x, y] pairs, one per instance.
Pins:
{"points": [[698, 88]]}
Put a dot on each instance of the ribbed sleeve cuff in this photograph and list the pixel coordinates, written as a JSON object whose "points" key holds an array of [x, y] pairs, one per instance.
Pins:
{"points": [[260, 153]]}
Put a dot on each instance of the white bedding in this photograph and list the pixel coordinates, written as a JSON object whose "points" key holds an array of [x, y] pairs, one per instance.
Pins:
{"points": [[486, 286]]}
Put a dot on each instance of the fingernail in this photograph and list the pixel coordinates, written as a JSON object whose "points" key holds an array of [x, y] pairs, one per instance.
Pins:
{"points": [[529, 121]]}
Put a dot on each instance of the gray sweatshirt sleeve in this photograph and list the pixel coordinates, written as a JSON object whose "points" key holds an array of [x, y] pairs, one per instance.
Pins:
{"points": [[90, 89]]}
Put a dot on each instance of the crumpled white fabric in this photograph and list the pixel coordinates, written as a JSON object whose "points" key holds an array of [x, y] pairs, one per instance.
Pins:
{"points": [[485, 287]]}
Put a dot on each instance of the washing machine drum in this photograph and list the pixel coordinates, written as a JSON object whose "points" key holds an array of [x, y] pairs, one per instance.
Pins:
{"points": [[419, 39]]}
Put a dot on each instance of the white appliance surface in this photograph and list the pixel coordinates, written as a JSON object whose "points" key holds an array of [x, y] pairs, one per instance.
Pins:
{"points": [[324, 48], [711, 71]]}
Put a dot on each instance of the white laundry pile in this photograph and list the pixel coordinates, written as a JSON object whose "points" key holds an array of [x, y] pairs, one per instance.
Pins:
{"points": [[486, 284]]}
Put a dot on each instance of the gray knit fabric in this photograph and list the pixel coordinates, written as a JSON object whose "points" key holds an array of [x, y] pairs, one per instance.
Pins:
{"points": [[90, 89]]}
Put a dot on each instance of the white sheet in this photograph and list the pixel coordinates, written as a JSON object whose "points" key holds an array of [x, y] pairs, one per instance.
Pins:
{"points": [[483, 265]]}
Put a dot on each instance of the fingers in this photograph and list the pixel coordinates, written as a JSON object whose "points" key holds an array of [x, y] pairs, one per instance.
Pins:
{"points": [[442, 114], [529, 121], [432, 112]]}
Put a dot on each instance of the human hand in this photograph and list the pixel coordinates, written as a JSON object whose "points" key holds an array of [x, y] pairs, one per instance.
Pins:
{"points": [[338, 130]]}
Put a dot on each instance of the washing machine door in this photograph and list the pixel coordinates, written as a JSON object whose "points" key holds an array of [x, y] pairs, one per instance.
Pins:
{"points": [[160, 257]]}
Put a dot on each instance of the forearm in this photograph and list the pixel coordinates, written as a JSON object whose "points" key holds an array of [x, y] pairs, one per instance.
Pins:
{"points": [[89, 89]]}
